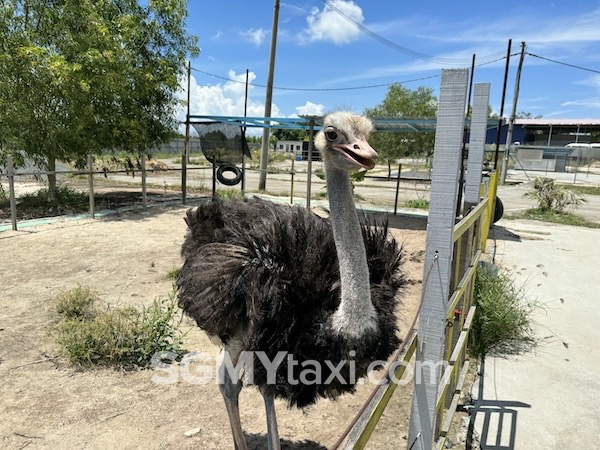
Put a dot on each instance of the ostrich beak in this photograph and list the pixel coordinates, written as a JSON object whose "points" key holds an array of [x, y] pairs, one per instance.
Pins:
{"points": [[359, 153]]}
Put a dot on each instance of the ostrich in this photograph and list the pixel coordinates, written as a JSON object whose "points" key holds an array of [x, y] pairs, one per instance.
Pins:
{"points": [[282, 283]]}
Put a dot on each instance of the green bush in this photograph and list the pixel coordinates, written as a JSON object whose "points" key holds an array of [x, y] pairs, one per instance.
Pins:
{"points": [[4, 200], [77, 304], [123, 337], [502, 324], [65, 198]]}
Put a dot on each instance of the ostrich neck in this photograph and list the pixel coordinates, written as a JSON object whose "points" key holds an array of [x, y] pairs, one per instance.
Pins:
{"points": [[356, 314]]}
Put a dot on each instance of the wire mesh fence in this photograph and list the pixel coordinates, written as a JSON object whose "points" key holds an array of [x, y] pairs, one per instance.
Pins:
{"points": [[111, 183]]}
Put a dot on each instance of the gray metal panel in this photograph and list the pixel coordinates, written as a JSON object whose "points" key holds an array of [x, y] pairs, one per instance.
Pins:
{"points": [[481, 97], [438, 254]]}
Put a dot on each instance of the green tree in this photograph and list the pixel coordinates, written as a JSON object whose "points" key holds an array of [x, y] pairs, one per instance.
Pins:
{"points": [[81, 76], [401, 102], [281, 134]]}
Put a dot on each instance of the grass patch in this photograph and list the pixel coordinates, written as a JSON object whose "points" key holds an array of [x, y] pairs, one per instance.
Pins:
{"points": [[584, 190], [77, 304], [66, 198], [230, 194], [502, 324], [419, 203], [199, 161], [173, 273], [90, 334], [563, 218]]}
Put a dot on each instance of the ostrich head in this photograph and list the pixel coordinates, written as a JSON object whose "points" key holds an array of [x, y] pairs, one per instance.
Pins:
{"points": [[343, 142]]}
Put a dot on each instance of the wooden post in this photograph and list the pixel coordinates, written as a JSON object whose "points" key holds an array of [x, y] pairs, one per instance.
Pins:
{"points": [[186, 146], [292, 183], [91, 188], [309, 169], [244, 136], [476, 144], [438, 256], [11, 192], [144, 196]]}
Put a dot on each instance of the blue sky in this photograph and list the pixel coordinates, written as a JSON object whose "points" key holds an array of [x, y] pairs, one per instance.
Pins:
{"points": [[318, 48]]}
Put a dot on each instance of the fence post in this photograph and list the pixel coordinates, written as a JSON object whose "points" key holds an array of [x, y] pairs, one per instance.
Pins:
{"points": [[91, 189], [481, 96], [292, 181], [438, 255], [11, 192], [309, 166], [397, 189], [143, 164]]}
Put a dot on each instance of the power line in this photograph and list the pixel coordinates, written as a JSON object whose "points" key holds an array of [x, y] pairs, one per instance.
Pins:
{"points": [[349, 88], [564, 63], [352, 88], [399, 48]]}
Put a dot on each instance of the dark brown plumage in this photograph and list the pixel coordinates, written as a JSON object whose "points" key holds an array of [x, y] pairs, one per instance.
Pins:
{"points": [[271, 270]]}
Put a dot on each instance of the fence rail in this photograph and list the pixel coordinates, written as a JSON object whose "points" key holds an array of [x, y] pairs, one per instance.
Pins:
{"points": [[297, 176]]}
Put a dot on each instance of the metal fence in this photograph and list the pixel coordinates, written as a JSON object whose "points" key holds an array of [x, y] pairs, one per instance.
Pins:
{"points": [[154, 182]]}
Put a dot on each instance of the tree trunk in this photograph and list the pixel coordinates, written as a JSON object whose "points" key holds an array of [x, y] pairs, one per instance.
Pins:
{"points": [[51, 177], [389, 169]]}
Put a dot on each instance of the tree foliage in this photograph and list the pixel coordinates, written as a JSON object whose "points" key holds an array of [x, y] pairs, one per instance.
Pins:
{"points": [[281, 134], [401, 102], [80, 76]]}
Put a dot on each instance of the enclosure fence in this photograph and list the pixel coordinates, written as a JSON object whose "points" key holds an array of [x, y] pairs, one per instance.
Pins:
{"points": [[292, 183]]}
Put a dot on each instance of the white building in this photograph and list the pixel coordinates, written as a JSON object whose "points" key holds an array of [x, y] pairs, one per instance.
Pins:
{"points": [[289, 147]]}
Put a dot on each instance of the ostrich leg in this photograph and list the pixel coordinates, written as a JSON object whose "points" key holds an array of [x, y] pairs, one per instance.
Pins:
{"points": [[231, 393], [273, 442]]}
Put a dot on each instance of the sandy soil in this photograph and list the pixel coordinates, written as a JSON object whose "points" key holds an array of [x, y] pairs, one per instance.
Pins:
{"points": [[45, 403]]}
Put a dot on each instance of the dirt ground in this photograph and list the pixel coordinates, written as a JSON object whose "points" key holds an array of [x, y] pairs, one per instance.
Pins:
{"points": [[45, 403]]}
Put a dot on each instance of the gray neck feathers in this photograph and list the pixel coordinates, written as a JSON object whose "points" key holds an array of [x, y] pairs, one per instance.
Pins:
{"points": [[356, 314]]}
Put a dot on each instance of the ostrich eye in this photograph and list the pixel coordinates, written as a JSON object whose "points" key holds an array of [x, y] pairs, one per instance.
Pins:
{"points": [[331, 135]]}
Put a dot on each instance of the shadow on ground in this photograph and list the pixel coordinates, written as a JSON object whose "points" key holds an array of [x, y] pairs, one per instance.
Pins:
{"points": [[259, 442], [504, 234], [498, 430]]}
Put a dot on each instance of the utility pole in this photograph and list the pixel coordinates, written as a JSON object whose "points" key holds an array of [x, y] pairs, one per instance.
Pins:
{"points": [[264, 152], [501, 118], [244, 137], [186, 147], [511, 120]]}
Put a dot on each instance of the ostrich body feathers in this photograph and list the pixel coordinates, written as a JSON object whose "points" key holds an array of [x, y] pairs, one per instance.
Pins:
{"points": [[267, 275]]}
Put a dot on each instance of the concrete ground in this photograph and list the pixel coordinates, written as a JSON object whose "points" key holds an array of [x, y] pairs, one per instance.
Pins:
{"points": [[548, 399]]}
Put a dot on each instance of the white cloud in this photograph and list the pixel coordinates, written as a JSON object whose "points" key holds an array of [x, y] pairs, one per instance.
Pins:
{"points": [[591, 102], [311, 109], [329, 25], [593, 81], [255, 36], [217, 35], [226, 99]]}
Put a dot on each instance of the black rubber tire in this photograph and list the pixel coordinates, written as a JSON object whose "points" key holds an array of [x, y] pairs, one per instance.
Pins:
{"points": [[223, 168], [498, 210]]}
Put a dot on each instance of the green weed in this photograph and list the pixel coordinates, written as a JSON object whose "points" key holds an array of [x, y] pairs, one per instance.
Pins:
{"points": [[89, 334], [502, 324], [419, 203]]}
